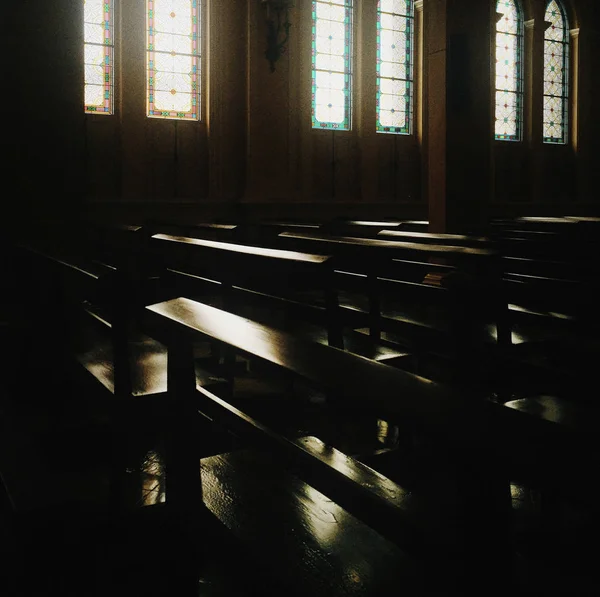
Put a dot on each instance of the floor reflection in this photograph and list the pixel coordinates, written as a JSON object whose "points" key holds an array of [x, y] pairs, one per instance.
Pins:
{"points": [[152, 478], [387, 434]]}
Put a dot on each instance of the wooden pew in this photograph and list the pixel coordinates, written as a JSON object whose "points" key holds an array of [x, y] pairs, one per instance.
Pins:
{"points": [[365, 385], [206, 230], [569, 240], [371, 228], [360, 228], [391, 253], [411, 296], [298, 285], [429, 238], [90, 311], [548, 451], [550, 279], [230, 269], [216, 477], [415, 225], [539, 311], [262, 233]]}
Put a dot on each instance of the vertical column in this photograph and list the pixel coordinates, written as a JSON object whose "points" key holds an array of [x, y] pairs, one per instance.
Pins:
{"points": [[131, 102], [535, 103], [268, 127], [574, 108], [589, 60], [458, 74], [227, 102], [300, 101], [366, 82]]}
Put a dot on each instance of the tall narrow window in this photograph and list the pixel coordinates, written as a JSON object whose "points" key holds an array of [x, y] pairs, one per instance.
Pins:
{"points": [[556, 69], [395, 25], [509, 71], [173, 55], [332, 64], [98, 56]]}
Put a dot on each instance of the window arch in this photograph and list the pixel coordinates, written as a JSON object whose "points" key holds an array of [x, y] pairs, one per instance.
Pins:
{"points": [[395, 51], [556, 71], [173, 59], [99, 43], [332, 64], [509, 71]]}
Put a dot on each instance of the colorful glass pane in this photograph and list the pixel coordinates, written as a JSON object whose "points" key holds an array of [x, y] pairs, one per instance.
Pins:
{"points": [[332, 64], [98, 52], [395, 26], [556, 89], [173, 54], [509, 71]]}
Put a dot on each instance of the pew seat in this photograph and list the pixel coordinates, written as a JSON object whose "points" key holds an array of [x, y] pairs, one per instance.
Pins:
{"points": [[302, 538], [557, 410], [149, 365]]}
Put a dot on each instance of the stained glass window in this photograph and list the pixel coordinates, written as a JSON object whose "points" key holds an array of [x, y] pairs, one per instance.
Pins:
{"points": [[395, 26], [173, 54], [556, 56], [509, 71], [98, 56], [332, 64]]}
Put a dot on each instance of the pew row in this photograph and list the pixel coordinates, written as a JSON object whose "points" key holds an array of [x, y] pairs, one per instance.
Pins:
{"points": [[454, 423]]}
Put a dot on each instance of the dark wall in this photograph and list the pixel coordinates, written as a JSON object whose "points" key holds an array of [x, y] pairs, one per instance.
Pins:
{"points": [[42, 97]]}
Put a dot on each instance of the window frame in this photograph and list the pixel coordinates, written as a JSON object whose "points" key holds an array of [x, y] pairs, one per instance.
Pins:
{"points": [[109, 66], [197, 70], [520, 78], [409, 104], [349, 72], [566, 108]]}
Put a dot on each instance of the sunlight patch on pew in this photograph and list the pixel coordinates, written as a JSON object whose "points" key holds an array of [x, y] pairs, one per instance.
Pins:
{"points": [[374, 223], [265, 252], [387, 434], [153, 479], [194, 276], [355, 470], [521, 309], [515, 337], [323, 515]]}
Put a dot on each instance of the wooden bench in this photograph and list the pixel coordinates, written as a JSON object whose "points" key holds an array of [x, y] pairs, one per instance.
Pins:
{"points": [[538, 310], [90, 310], [263, 232], [396, 287], [458, 240], [206, 230], [551, 239], [365, 385], [360, 392], [231, 269], [271, 284], [512, 443], [393, 256], [360, 228]]}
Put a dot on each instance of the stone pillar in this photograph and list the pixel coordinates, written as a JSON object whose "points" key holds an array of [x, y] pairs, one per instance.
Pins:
{"points": [[459, 122]]}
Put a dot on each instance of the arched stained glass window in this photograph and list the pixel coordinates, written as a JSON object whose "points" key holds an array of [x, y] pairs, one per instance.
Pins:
{"points": [[556, 70], [332, 64], [173, 59], [509, 71], [395, 26], [99, 43]]}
